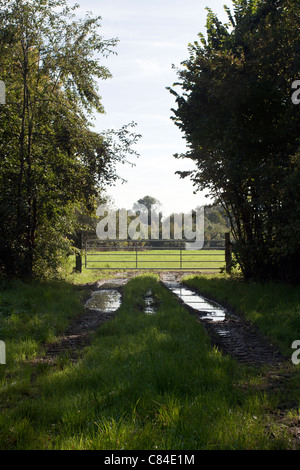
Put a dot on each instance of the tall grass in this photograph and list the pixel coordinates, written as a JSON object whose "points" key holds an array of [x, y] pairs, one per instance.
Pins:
{"points": [[31, 315], [146, 382]]}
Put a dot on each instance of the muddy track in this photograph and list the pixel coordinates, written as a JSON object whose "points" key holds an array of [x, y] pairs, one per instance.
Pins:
{"points": [[81, 330], [244, 342], [233, 335]]}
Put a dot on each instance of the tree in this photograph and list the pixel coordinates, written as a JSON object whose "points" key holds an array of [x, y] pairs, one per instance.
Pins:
{"points": [[51, 158], [148, 201], [147, 206], [242, 129]]}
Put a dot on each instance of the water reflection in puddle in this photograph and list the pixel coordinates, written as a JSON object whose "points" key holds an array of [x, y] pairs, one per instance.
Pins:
{"points": [[149, 303], [104, 300], [209, 310]]}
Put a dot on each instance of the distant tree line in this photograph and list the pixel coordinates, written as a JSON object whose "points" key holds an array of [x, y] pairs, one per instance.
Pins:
{"points": [[216, 224]]}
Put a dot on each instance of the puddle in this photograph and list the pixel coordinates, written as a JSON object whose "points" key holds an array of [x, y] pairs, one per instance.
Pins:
{"points": [[113, 283], [149, 304], [233, 336], [224, 332], [208, 309], [104, 300]]}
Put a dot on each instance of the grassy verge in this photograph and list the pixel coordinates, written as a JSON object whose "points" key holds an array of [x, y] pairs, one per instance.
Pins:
{"points": [[146, 382], [87, 275], [31, 315], [34, 313]]}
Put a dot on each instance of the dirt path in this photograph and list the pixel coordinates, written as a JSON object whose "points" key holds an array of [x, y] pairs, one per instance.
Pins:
{"points": [[244, 342], [233, 335], [80, 332]]}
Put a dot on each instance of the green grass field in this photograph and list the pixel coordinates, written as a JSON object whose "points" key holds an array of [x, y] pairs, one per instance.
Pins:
{"points": [[208, 260], [145, 382]]}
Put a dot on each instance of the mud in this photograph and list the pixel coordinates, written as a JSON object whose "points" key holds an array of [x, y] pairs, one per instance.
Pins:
{"points": [[150, 306], [229, 332]]}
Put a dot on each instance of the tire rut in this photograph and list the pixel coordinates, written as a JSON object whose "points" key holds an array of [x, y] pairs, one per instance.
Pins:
{"points": [[81, 330], [233, 335]]}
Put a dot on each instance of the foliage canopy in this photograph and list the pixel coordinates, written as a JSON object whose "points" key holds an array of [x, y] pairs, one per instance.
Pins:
{"points": [[242, 129], [51, 159]]}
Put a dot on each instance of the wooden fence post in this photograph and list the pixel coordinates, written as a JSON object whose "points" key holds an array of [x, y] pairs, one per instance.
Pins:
{"points": [[228, 252], [78, 259]]}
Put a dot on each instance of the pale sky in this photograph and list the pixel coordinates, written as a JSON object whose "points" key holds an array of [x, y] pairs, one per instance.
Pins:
{"points": [[152, 36]]}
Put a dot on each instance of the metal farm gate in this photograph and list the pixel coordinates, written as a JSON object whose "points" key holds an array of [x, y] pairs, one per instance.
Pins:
{"points": [[156, 255]]}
